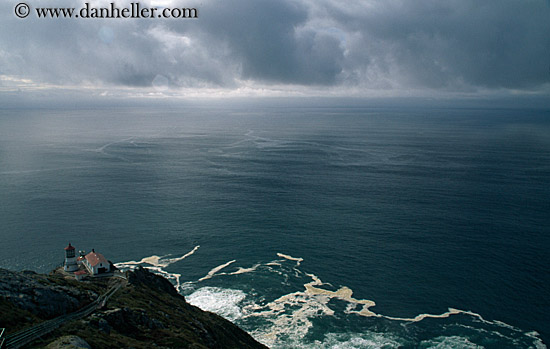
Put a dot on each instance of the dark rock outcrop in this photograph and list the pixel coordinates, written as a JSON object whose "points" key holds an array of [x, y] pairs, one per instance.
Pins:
{"points": [[129, 320], [40, 295], [141, 276]]}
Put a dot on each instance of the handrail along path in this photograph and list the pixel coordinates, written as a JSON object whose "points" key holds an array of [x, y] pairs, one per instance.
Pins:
{"points": [[27, 335]]}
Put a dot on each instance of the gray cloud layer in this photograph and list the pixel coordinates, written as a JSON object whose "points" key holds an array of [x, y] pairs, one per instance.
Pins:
{"points": [[450, 45]]}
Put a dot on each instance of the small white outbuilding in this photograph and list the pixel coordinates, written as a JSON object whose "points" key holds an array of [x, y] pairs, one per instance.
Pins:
{"points": [[96, 263]]}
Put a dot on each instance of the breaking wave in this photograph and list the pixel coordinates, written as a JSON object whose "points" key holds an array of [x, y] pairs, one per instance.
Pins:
{"points": [[224, 302]]}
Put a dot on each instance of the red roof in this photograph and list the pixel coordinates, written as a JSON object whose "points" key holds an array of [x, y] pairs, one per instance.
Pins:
{"points": [[70, 247], [81, 272], [95, 258]]}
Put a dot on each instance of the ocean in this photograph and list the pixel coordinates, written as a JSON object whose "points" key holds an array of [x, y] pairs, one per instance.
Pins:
{"points": [[309, 227]]}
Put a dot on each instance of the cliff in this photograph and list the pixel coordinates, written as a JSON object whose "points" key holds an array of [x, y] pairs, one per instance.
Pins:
{"points": [[145, 312]]}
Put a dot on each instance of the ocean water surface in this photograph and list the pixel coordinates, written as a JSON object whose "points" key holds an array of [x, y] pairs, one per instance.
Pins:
{"points": [[308, 227]]}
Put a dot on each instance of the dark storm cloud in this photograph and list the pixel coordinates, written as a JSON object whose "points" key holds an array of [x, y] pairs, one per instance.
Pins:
{"points": [[396, 45], [265, 37], [502, 43]]}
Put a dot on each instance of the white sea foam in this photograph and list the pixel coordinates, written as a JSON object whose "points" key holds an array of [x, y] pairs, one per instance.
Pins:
{"points": [[357, 340], [449, 342], [297, 260], [539, 344], [157, 264], [157, 261], [167, 262], [242, 270], [224, 302], [215, 271], [291, 316], [344, 293], [424, 316]]}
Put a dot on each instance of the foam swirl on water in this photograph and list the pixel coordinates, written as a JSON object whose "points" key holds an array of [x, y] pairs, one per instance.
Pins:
{"points": [[161, 262], [297, 260], [215, 270]]}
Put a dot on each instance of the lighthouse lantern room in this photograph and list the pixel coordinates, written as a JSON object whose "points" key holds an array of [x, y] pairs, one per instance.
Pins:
{"points": [[70, 259]]}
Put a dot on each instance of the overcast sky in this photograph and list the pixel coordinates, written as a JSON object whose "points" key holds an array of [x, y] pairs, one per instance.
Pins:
{"points": [[357, 48]]}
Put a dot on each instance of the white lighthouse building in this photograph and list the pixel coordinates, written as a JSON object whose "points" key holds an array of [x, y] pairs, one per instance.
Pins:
{"points": [[70, 259]]}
